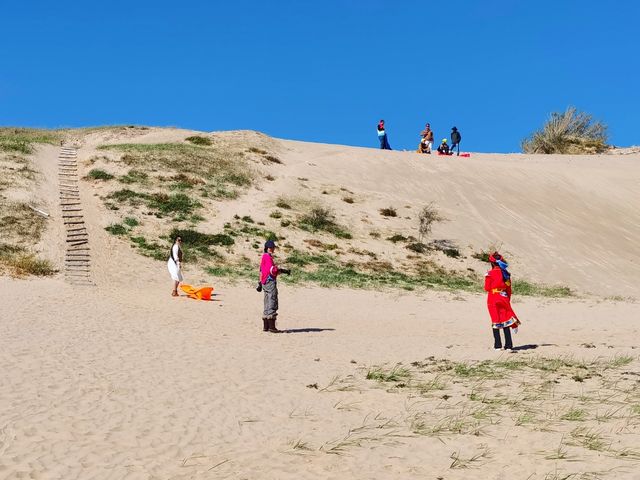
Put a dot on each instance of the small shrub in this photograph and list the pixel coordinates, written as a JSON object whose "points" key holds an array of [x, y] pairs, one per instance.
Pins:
{"points": [[282, 203], [134, 176], [318, 218], [247, 219], [571, 132], [388, 212], [482, 256], [259, 151], [116, 229], [374, 234], [270, 178], [131, 222], [197, 140], [176, 203], [348, 199], [126, 195], [285, 223], [31, 265], [272, 159], [195, 239], [98, 174], [417, 247], [397, 238], [426, 218], [275, 214]]}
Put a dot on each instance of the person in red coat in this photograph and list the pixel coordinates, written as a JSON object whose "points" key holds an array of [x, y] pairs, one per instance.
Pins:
{"points": [[497, 283]]}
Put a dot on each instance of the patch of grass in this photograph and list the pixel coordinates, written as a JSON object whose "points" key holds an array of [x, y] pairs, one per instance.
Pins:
{"points": [[272, 159], [570, 132], [397, 238], [418, 247], [127, 195], [153, 250], [388, 212], [395, 374], [131, 222], [134, 176], [198, 240], [523, 287], [217, 166], [283, 203], [22, 140], [198, 140], [174, 203], [247, 219], [574, 415], [322, 219], [285, 223], [19, 262], [275, 214], [269, 178], [99, 174], [348, 200], [482, 256], [116, 229], [259, 151]]}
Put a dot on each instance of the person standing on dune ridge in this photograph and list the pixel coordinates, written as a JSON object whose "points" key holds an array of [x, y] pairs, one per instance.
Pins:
{"points": [[455, 140], [382, 136]]}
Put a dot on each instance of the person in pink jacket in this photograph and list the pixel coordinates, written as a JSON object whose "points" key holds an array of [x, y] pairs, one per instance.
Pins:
{"points": [[269, 272]]}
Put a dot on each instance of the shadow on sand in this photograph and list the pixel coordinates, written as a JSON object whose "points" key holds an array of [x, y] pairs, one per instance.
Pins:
{"points": [[532, 346], [308, 330]]}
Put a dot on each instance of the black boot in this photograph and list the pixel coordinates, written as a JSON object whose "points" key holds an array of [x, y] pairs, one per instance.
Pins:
{"points": [[265, 324], [508, 344], [272, 326]]}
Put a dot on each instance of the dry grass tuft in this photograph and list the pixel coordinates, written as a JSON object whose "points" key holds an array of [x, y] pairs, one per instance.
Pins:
{"points": [[571, 132]]}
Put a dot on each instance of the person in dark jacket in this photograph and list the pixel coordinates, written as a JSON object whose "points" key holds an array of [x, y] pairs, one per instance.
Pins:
{"points": [[455, 140], [382, 136]]}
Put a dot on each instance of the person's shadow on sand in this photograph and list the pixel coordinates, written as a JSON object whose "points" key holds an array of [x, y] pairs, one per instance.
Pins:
{"points": [[308, 330], [532, 346]]}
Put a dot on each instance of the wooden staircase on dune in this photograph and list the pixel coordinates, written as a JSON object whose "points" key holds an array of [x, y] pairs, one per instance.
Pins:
{"points": [[77, 260]]}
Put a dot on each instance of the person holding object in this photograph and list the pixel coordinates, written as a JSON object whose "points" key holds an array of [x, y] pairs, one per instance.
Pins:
{"points": [[382, 136], [497, 284], [426, 145], [455, 140], [174, 264], [269, 272]]}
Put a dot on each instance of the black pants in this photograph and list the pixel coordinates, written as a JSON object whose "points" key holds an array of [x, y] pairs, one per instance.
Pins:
{"points": [[453, 147], [497, 342]]}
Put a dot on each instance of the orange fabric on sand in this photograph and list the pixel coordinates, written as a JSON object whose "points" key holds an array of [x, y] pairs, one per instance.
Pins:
{"points": [[202, 293]]}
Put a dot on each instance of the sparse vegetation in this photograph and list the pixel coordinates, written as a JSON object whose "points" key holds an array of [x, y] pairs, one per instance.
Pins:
{"points": [[116, 229], [570, 132], [388, 212], [22, 140], [426, 218], [19, 262], [99, 174], [322, 219], [198, 140]]}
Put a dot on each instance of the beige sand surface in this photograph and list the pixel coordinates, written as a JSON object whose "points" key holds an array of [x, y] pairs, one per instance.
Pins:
{"points": [[121, 381]]}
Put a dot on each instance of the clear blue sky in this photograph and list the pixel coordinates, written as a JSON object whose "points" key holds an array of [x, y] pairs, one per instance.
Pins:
{"points": [[323, 71]]}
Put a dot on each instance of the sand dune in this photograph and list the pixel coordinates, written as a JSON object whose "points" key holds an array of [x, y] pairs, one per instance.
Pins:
{"points": [[122, 381]]}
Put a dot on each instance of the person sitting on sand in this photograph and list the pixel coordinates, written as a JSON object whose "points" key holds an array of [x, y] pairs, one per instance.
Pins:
{"points": [[269, 272], [443, 149], [427, 139], [497, 284], [174, 264]]}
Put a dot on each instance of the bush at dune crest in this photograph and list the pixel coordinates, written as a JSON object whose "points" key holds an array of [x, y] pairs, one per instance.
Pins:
{"points": [[571, 132]]}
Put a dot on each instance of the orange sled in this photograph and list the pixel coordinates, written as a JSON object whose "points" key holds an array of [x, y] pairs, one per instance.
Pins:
{"points": [[202, 293]]}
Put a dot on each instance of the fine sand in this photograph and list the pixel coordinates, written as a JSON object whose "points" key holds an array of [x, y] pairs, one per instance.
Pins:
{"points": [[122, 381]]}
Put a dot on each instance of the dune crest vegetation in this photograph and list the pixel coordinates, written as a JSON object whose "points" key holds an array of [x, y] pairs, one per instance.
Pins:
{"points": [[569, 132]]}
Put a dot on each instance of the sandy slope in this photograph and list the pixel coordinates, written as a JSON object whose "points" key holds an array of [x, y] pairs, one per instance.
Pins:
{"points": [[123, 381]]}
